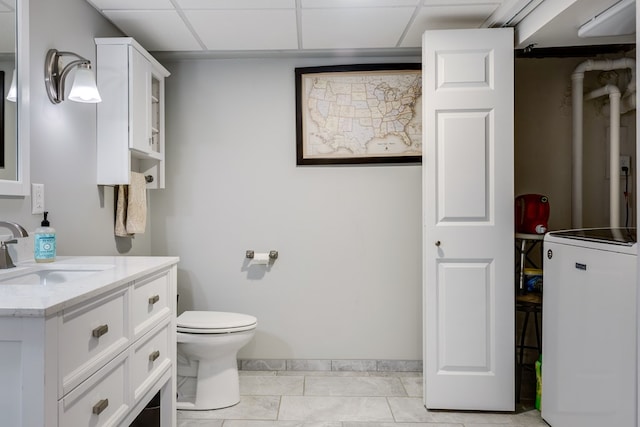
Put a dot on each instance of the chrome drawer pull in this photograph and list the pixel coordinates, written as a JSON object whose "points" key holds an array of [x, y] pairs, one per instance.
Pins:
{"points": [[100, 331], [153, 356], [100, 406], [154, 299]]}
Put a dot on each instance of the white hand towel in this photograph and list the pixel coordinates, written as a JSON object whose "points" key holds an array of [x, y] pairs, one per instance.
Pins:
{"points": [[131, 206], [137, 204], [120, 192]]}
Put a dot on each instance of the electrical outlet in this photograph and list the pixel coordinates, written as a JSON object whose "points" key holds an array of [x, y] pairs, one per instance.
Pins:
{"points": [[37, 198], [625, 162]]}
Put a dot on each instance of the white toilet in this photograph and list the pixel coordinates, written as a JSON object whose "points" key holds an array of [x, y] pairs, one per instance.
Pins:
{"points": [[208, 344]]}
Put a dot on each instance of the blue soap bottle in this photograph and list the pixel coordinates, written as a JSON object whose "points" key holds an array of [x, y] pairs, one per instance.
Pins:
{"points": [[44, 247]]}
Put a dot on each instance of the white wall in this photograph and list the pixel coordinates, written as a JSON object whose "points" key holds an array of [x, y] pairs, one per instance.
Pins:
{"points": [[63, 141], [347, 284]]}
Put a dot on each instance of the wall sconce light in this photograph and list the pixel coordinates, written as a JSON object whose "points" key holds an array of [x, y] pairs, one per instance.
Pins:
{"points": [[83, 88], [13, 90]]}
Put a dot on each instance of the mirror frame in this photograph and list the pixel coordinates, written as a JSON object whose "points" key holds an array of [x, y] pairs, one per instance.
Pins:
{"points": [[21, 186]]}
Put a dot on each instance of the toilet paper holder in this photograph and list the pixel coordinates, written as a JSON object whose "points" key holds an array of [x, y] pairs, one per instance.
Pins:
{"points": [[272, 254]]}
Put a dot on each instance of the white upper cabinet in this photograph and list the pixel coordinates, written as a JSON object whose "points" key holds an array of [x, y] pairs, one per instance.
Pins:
{"points": [[130, 121]]}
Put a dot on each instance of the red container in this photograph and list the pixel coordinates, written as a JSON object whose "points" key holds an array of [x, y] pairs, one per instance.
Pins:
{"points": [[532, 214]]}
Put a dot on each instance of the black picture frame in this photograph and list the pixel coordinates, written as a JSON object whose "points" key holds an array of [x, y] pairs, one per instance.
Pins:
{"points": [[4, 99], [396, 135]]}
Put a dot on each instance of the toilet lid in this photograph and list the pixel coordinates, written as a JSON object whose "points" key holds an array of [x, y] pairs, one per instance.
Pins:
{"points": [[214, 322]]}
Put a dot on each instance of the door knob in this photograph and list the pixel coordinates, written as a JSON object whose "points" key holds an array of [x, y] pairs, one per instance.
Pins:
{"points": [[438, 243]]}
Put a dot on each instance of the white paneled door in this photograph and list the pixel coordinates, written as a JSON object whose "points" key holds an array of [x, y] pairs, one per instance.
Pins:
{"points": [[468, 219]]}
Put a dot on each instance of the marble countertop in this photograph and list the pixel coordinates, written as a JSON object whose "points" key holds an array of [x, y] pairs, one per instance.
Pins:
{"points": [[22, 300]]}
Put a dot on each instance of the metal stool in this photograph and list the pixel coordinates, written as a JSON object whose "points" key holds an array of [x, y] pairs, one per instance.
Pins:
{"points": [[529, 303]]}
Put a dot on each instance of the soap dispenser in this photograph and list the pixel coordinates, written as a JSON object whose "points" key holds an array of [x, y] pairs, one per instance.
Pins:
{"points": [[45, 242]]}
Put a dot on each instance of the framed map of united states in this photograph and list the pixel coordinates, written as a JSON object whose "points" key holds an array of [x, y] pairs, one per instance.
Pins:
{"points": [[368, 113]]}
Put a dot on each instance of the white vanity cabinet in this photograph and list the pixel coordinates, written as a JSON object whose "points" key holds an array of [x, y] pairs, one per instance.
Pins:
{"points": [[94, 354], [130, 118]]}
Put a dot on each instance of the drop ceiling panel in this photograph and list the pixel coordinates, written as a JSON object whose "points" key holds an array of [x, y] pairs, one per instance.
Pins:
{"points": [[323, 4], [432, 3], [131, 4], [245, 29], [447, 17], [236, 4], [244, 26], [354, 28], [155, 30], [450, 17]]}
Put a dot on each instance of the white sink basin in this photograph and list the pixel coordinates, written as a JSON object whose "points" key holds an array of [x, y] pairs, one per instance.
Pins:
{"points": [[49, 274]]}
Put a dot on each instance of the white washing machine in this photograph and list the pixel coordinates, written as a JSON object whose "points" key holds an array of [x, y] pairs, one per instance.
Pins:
{"points": [[589, 328]]}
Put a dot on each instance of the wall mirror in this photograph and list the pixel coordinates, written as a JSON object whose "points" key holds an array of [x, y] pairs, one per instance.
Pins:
{"points": [[14, 129]]}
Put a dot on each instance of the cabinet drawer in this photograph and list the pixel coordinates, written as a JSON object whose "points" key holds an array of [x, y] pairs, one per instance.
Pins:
{"points": [[151, 357], [150, 302], [89, 337], [99, 401]]}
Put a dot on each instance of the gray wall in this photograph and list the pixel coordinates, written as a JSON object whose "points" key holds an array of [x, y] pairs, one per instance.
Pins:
{"points": [[348, 280], [63, 147], [347, 283]]}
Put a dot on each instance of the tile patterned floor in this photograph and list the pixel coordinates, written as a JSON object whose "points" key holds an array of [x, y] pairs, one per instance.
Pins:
{"points": [[341, 399]]}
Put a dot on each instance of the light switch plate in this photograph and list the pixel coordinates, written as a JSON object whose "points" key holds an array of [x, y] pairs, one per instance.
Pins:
{"points": [[37, 198]]}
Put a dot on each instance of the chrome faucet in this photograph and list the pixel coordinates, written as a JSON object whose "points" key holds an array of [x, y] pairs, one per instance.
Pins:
{"points": [[18, 231]]}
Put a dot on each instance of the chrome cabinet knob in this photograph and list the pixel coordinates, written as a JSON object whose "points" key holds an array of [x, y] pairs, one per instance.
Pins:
{"points": [[438, 243]]}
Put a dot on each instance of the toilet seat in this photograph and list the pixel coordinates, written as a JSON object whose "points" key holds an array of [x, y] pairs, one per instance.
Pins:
{"points": [[214, 322]]}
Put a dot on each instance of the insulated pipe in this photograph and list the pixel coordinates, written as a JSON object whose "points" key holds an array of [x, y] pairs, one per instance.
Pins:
{"points": [[577, 79], [610, 64], [614, 150], [614, 160], [627, 103]]}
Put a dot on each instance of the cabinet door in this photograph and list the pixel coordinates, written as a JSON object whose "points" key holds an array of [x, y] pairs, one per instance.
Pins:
{"points": [[140, 99], [113, 77]]}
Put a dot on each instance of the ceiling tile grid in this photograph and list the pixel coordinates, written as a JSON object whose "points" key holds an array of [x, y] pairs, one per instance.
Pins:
{"points": [[337, 4], [155, 29], [212, 26], [236, 4], [132, 4], [442, 17]]}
